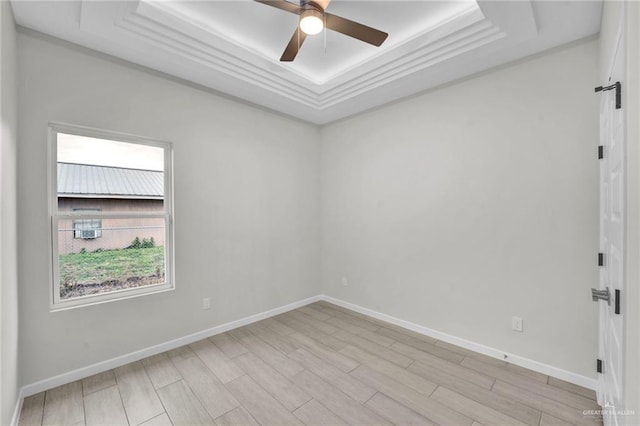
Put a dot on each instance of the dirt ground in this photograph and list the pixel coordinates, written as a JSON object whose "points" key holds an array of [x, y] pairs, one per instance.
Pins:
{"points": [[78, 290]]}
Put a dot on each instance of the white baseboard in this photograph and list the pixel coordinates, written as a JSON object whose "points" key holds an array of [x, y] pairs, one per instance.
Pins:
{"points": [[90, 370], [549, 370]]}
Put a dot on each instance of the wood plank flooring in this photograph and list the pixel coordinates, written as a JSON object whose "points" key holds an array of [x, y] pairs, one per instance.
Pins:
{"points": [[317, 365]]}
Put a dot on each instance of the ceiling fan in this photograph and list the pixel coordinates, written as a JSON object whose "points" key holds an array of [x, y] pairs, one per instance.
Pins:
{"points": [[313, 19]]}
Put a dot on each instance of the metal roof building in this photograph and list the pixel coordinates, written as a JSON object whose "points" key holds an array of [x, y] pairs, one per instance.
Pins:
{"points": [[89, 181]]}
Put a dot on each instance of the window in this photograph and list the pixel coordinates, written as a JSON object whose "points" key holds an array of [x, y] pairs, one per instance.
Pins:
{"points": [[111, 215], [87, 228]]}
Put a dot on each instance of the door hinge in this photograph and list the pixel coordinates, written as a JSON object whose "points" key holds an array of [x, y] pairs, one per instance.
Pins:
{"points": [[617, 302], [600, 152], [618, 88], [600, 259], [599, 365]]}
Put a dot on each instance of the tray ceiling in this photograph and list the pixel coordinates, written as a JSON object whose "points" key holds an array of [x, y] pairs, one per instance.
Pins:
{"points": [[234, 46]]}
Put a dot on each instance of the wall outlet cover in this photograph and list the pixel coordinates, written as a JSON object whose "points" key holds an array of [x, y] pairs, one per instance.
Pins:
{"points": [[516, 324]]}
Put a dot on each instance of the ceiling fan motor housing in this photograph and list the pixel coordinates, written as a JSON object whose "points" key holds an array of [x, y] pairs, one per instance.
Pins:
{"points": [[305, 3]]}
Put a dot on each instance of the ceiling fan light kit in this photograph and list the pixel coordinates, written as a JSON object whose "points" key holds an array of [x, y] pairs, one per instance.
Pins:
{"points": [[313, 18], [311, 21]]}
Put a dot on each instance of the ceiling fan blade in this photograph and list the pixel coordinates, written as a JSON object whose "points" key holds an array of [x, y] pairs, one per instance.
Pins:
{"points": [[282, 4], [294, 45], [355, 30]]}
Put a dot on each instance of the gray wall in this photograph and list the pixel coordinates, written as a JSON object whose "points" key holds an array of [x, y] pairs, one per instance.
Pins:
{"points": [[456, 209], [246, 206], [470, 204], [8, 220]]}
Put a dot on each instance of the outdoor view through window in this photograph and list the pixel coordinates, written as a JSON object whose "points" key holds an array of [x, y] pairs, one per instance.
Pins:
{"points": [[110, 216]]}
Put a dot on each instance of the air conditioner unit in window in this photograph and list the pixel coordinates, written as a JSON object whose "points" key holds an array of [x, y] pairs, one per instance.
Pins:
{"points": [[89, 234]]}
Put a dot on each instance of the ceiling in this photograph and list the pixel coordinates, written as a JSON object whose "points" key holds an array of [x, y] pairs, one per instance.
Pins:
{"points": [[234, 46]]}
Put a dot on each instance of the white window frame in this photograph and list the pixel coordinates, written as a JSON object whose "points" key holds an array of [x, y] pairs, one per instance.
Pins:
{"points": [[56, 303]]}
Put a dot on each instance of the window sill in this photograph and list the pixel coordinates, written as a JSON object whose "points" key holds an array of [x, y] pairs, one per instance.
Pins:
{"points": [[114, 296]]}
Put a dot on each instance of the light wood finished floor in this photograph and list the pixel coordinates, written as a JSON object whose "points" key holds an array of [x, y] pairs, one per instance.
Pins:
{"points": [[320, 364]]}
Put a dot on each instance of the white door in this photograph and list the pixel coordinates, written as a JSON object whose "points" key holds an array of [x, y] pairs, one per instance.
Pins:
{"points": [[612, 241]]}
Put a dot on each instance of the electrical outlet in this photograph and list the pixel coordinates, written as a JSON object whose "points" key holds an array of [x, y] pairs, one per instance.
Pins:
{"points": [[516, 324], [345, 282], [206, 303]]}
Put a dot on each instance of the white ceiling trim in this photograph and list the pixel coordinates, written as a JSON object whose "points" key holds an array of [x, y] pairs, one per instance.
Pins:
{"points": [[464, 32], [468, 38], [165, 28], [430, 55], [185, 46], [155, 27]]}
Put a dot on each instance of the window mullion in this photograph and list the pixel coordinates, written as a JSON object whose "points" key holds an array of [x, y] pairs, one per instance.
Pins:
{"points": [[110, 215]]}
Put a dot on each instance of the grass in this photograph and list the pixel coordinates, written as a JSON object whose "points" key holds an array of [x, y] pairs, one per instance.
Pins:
{"points": [[107, 265]]}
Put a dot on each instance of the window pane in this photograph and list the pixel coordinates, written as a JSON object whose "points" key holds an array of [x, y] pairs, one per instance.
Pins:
{"points": [[100, 174], [76, 149], [129, 254]]}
